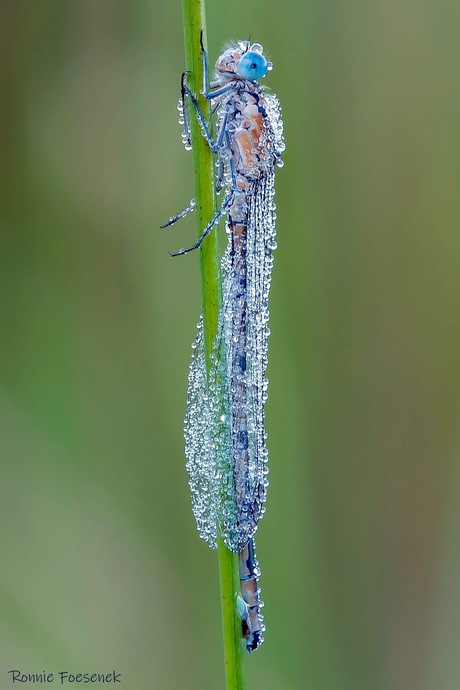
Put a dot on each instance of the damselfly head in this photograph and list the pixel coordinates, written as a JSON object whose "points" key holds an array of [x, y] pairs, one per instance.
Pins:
{"points": [[244, 61]]}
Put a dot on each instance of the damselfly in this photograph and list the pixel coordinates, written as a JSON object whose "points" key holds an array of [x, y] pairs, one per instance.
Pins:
{"points": [[225, 421]]}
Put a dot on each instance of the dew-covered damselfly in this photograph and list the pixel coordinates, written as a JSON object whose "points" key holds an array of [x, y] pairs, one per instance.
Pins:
{"points": [[225, 438]]}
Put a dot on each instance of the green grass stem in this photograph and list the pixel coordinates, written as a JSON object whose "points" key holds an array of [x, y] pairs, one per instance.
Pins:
{"points": [[195, 22]]}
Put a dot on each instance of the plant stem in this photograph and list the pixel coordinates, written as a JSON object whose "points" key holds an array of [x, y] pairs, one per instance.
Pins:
{"points": [[231, 622], [195, 22]]}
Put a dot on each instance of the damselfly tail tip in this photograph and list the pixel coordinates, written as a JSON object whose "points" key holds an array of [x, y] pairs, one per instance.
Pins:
{"points": [[254, 641]]}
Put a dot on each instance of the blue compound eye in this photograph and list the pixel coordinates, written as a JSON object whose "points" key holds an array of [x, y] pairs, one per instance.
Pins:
{"points": [[252, 66]]}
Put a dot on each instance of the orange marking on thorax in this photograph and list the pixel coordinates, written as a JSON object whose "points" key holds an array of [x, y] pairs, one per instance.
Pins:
{"points": [[251, 112], [247, 138]]}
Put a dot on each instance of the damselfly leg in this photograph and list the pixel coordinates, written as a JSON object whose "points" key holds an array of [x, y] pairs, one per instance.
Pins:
{"points": [[191, 207], [214, 220]]}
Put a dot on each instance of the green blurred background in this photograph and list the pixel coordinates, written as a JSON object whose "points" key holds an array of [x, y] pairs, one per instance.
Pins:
{"points": [[101, 562]]}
